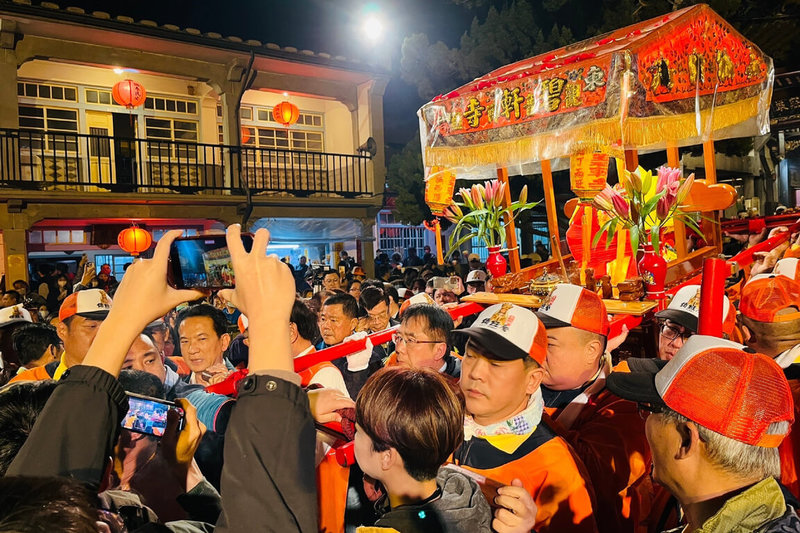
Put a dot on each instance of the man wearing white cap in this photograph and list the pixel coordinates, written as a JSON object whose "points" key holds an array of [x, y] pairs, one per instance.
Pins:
{"points": [[80, 317], [476, 281], [679, 320], [716, 418], [11, 319], [504, 437]]}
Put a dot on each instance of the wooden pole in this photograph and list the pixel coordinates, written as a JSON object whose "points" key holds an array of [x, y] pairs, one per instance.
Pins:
{"points": [[713, 231], [511, 230], [673, 160], [631, 160], [550, 205]]}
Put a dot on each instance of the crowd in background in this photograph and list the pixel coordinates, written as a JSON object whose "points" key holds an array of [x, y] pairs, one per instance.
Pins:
{"points": [[505, 420]]}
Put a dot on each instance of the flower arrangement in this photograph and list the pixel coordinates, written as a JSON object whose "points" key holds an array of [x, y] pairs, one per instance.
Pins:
{"points": [[482, 214], [640, 208]]}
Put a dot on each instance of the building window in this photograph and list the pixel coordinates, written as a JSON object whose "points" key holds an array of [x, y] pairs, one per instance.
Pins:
{"points": [[158, 233], [167, 129], [116, 262], [314, 120], [393, 237], [282, 139], [246, 113], [75, 236], [172, 105], [47, 91], [98, 96], [51, 120]]}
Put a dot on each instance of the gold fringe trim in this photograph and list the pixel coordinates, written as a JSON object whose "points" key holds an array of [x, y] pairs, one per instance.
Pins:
{"points": [[600, 135]]}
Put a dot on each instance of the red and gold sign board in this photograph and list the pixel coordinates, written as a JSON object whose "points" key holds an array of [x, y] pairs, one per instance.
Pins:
{"points": [[671, 81], [439, 186], [707, 56], [587, 174]]}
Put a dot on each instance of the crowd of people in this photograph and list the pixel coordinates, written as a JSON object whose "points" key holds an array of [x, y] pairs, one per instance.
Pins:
{"points": [[506, 420]]}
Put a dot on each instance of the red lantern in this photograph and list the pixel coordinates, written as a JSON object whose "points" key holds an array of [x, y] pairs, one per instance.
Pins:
{"points": [[134, 240], [245, 134], [129, 93], [285, 113]]}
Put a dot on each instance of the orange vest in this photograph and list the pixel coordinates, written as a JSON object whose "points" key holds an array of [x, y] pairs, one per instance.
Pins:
{"points": [[608, 435], [789, 448], [34, 374], [552, 474], [332, 479]]}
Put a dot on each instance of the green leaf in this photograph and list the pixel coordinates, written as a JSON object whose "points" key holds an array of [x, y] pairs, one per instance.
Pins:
{"points": [[634, 230], [599, 234]]}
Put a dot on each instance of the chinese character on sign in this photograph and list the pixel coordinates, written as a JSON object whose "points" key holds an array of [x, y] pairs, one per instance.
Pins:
{"points": [[474, 113], [572, 95], [780, 105], [554, 88], [510, 104], [594, 79]]}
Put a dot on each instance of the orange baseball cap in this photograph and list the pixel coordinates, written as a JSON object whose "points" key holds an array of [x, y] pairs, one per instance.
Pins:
{"points": [[89, 303], [765, 297], [718, 385], [243, 323], [571, 305]]}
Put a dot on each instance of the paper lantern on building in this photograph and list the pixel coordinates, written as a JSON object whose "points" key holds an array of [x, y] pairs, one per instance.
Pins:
{"points": [[134, 240], [285, 113], [129, 93], [246, 135]]}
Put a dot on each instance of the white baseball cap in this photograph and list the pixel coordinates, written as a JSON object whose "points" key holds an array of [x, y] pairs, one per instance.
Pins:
{"points": [[572, 305], [14, 313], [508, 332], [684, 309], [476, 276], [89, 303], [788, 267]]}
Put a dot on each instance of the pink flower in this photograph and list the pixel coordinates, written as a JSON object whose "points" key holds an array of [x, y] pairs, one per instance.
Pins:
{"points": [[620, 205], [449, 214], [668, 178], [603, 199], [684, 189], [477, 196], [489, 187], [499, 194], [663, 206]]}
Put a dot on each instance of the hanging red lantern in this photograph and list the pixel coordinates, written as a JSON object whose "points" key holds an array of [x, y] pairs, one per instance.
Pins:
{"points": [[285, 113], [134, 240], [246, 135], [129, 93]]}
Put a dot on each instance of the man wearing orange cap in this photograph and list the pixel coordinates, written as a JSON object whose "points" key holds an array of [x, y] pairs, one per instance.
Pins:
{"points": [[504, 437], [80, 317], [716, 417], [605, 430], [770, 321]]}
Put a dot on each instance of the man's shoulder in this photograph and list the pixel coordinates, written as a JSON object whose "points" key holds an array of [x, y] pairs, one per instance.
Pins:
{"points": [[36, 374], [480, 453]]}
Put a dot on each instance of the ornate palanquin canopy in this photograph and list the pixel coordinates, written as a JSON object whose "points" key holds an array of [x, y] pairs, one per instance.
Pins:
{"points": [[673, 81]]}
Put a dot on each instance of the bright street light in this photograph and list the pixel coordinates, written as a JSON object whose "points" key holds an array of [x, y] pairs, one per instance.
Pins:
{"points": [[373, 28]]}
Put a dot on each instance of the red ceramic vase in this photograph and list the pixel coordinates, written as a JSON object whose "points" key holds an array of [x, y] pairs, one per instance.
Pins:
{"points": [[653, 270], [496, 264]]}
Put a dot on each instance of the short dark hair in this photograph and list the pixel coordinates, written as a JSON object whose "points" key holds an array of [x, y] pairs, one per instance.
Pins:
{"points": [[372, 296], [31, 340], [438, 323], [305, 319], [216, 316], [391, 292], [20, 405], [17, 296], [20, 282], [348, 303], [141, 382], [418, 412], [59, 504]]}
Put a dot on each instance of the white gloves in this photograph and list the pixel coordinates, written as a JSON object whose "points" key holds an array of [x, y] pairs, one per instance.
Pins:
{"points": [[359, 360]]}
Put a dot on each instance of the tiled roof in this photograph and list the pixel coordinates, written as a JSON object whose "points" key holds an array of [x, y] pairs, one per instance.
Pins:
{"points": [[102, 19]]}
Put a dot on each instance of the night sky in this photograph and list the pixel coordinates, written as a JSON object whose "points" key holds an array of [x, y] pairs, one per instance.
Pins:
{"points": [[331, 26]]}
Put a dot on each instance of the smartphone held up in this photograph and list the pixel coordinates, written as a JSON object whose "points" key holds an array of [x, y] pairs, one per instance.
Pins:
{"points": [[148, 415], [203, 262]]}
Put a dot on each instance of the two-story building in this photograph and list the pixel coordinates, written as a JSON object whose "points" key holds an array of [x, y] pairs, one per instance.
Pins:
{"points": [[203, 150]]}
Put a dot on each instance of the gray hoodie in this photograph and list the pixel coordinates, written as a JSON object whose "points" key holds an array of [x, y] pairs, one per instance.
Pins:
{"points": [[458, 506]]}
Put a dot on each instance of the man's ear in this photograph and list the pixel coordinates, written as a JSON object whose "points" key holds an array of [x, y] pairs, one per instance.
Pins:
{"points": [[441, 351], [293, 334], [748, 335], [353, 324], [535, 377], [225, 338], [63, 331], [690, 440], [592, 351]]}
